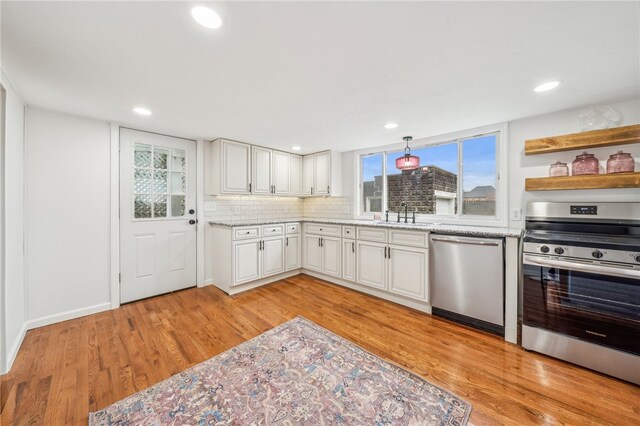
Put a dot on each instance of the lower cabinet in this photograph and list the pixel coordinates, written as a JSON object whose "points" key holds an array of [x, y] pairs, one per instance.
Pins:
{"points": [[256, 259], [293, 252], [397, 269], [323, 254], [349, 260]]}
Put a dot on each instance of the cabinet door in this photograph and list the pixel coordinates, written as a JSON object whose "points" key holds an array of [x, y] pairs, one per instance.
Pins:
{"points": [[349, 260], [272, 256], [246, 261], [235, 168], [408, 272], [322, 173], [293, 251], [371, 264], [295, 175], [311, 254], [331, 256], [261, 170], [308, 173], [280, 172]]}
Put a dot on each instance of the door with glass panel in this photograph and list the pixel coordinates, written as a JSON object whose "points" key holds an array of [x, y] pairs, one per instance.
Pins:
{"points": [[157, 214]]}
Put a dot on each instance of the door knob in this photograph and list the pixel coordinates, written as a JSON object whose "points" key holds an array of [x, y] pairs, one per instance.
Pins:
{"points": [[191, 211], [192, 221]]}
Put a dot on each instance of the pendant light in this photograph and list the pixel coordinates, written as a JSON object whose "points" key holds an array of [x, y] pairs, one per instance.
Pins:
{"points": [[407, 161]]}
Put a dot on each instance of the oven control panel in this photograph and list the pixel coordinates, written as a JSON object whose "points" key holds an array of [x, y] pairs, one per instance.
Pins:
{"points": [[584, 210], [590, 254]]}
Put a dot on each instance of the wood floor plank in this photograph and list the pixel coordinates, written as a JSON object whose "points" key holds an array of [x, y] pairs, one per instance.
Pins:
{"points": [[65, 370]]}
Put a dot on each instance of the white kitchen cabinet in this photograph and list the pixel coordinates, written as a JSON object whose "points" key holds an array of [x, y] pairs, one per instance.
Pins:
{"points": [[408, 271], [372, 264], [331, 249], [349, 260], [261, 170], [295, 174], [228, 167], [312, 253], [280, 170], [308, 172], [322, 174], [293, 252], [246, 261], [272, 256]]}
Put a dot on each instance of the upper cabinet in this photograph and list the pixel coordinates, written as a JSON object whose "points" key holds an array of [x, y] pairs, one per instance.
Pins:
{"points": [[295, 174], [229, 167], [235, 168], [322, 174]]}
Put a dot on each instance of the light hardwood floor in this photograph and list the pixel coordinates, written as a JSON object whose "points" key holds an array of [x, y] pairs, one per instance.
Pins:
{"points": [[66, 370]]}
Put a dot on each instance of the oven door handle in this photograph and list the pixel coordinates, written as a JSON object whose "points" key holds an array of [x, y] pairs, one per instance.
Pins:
{"points": [[580, 267]]}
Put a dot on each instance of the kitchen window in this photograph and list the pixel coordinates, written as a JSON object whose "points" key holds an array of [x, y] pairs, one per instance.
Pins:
{"points": [[457, 180]]}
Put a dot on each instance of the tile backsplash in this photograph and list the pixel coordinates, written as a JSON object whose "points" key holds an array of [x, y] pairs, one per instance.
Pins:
{"points": [[225, 208]]}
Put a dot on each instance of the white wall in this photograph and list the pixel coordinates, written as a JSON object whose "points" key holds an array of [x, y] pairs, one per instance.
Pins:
{"points": [[68, 224], [14, 303], [560, 123]]}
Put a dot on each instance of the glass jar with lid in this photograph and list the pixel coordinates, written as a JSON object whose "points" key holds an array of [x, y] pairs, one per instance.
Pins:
{"points": [[585, 164], [558, 169], [620, 162]]}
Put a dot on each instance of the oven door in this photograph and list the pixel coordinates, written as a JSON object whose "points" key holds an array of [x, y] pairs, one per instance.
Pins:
{"points": [[593, 302]]}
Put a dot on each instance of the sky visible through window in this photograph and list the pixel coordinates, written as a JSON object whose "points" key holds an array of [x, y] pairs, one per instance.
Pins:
{"points": [[479, 156]]}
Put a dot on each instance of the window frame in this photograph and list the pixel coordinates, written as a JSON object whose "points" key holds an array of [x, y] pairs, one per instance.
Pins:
{"points": [[500, 219]]}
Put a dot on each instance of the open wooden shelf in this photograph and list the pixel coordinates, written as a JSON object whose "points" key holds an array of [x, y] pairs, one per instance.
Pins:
{"points": [[584, 140], [613, 180]]}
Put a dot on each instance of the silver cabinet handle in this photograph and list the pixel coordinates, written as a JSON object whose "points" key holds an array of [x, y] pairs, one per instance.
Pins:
{"points": [[353, 247], [312, 190], [249, 186], [389, 252], [385, 252], [328, 187], [470, 242], [580, 267], [287, 242]]}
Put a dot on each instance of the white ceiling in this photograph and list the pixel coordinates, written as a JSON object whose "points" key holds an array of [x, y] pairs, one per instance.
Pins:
{"points": [[320, 75]]}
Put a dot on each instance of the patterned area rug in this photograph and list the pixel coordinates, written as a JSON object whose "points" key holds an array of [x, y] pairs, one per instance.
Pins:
{"points": [[295, 374]]}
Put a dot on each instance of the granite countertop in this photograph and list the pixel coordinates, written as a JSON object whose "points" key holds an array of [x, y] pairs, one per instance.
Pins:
{"points": [[438, 228]]}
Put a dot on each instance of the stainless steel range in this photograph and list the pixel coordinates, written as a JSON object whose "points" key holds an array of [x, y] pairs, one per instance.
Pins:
{"points": [[581, 285]]}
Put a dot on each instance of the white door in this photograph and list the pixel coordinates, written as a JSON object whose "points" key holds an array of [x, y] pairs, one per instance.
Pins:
{"points": [[157, 214], [322, 173], [408, 272], [293, 251], [331, 256], [307, 173], [311, 253], [372, 264], [295, 175], [280, 173], [246, 261], [236, 172], [349, 260], [272, 256], [261, 170]]}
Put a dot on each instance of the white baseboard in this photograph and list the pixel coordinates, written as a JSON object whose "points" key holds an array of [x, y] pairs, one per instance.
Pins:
{"points": [[64, 316], [15, 347], [208, 281]]}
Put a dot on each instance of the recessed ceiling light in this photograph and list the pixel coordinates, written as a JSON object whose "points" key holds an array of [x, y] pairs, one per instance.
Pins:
{"points": [[141, 111], [206, 17], [391, 125], [547, 86], [296, 148]]}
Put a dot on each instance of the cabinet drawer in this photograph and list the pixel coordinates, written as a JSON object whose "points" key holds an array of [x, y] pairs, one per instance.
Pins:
{"points": [[348, 232], [377, 235], [408, 238], [271, 230], [246, 232], [322, 229], [293, 228]]}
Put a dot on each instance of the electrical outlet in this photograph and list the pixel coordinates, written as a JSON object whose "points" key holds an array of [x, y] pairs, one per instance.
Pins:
{"points": [[516, 214]]}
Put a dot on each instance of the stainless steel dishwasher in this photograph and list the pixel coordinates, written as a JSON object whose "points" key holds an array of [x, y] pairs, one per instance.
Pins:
{"points": [[467, 280]]}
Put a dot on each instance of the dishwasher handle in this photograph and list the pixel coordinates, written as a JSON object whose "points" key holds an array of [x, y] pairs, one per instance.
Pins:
{"points": [[474, 242]]}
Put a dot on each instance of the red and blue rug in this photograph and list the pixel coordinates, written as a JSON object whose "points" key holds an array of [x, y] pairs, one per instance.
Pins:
{"points": [[295, 374]]}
